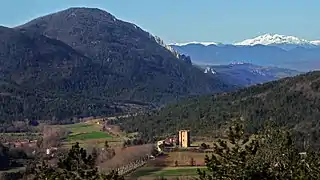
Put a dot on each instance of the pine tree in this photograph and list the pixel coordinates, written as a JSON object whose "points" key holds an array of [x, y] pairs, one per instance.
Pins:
{"points": [[176, 163], [106, 145], [192, 161], [230, 156], [271, 154], [109, 152]]}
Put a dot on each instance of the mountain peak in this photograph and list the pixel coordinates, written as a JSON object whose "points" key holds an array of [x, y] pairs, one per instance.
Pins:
{"points": [[265, 39], [194, 42], [124, 53], [81, 15], [269, 39], [85, 9]]}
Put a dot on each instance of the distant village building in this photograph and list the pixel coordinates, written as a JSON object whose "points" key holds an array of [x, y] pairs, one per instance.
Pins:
{"points": [[170, 140], [50, 151], [159, 143], [184, 138]]}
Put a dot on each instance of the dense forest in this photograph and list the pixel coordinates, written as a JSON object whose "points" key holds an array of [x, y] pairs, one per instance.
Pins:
{"points": [[271, 154], [292, 102]]}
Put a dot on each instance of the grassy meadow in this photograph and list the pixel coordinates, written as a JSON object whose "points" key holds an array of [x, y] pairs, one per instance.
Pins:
{"points": [[167, 172], [89, 134]]}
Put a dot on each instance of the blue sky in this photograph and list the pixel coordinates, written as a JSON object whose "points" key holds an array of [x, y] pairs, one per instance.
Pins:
{"points": [[224, 21]]}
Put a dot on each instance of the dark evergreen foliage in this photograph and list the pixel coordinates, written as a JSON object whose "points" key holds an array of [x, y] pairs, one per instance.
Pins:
{"points": [[11, 157], [268, 155], [291, 102]]}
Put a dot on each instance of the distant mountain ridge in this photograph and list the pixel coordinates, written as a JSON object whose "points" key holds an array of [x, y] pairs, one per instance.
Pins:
{"points": [[265, 39], [194, 42], [291, 102], [275, 39], [267, 50], [246, 74]]}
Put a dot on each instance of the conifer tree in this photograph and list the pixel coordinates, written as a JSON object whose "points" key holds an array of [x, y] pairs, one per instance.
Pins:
{"points": [[271, 154]]}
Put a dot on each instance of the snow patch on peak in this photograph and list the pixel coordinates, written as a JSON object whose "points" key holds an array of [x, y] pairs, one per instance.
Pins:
{"points": [[268, 39], [194, 42], [238, 62], [316, 42], [257, 71], [163, 44], [209, 70]]}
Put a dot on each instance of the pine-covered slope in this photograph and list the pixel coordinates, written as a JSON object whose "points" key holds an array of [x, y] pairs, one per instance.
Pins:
{"points": [[292, 102], [42, 78]]}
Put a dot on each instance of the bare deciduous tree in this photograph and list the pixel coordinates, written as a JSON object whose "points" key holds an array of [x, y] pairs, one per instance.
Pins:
{"points": [[52, 136]]}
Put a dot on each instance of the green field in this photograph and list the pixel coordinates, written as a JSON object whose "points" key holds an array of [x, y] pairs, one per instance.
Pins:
{"points": [[87, 136], [166, 171]]}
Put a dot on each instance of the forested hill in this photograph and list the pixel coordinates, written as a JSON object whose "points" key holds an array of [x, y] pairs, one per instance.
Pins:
{"points": [[34, 71], [83, 61], [292, 102], [139, 67]]}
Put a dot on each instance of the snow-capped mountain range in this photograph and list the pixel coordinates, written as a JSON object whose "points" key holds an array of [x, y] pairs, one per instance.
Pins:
{"points": [[237, 72], [266, 39], [316, 42], [269, 39], [194, 42], [265, 50]]}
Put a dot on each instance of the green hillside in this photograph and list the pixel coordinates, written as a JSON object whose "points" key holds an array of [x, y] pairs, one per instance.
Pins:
{"points": [[292, 102]]}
